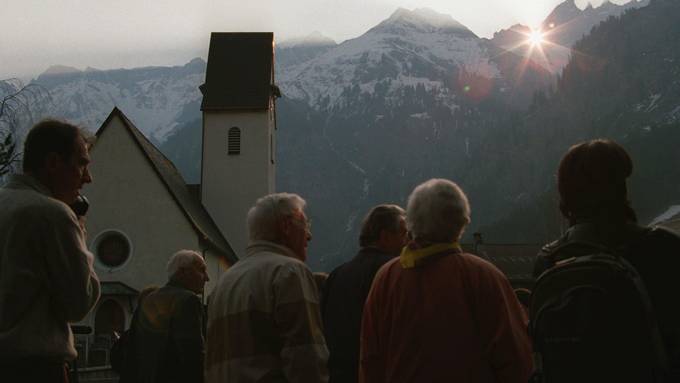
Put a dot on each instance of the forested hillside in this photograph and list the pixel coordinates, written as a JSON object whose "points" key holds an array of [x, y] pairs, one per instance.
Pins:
{"points": [[622, 83]]}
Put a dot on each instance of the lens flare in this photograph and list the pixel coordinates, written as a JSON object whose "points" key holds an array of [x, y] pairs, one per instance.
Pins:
{"points": [[535, 37]]}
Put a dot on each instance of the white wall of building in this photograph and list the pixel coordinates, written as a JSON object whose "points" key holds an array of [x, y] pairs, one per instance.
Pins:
{"points": [[128, 196], [231, 184]]}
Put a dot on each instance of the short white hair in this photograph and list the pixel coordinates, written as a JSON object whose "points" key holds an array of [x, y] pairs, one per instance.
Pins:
{"points": [[437, 211], [182, 259], [263, 218]]}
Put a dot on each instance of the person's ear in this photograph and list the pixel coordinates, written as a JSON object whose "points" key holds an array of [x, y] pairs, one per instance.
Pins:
{"points": [[284, 226], [52, 161]]}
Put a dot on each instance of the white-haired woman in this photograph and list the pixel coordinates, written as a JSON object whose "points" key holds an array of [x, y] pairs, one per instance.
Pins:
{"points": [[437, 314]]}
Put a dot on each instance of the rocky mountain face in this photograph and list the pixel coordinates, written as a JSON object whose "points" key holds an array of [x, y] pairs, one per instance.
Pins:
{"points": [[298, 51], [364, 121], [372, 141], [565, 25], [157, 98]]}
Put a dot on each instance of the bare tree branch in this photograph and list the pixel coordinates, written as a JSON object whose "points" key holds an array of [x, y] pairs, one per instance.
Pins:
{"points": [[17, 106]]}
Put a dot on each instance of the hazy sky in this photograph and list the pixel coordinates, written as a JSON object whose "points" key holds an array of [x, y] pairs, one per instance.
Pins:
{"points": [[35, 34]]}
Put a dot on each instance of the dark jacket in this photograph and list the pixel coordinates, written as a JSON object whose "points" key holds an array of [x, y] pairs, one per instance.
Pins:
{"points": [[654, 253], [342, 306], [169, 336]]}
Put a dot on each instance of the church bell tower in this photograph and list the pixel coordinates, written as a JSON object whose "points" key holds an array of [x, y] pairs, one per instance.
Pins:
{"points": [[239, 126]]}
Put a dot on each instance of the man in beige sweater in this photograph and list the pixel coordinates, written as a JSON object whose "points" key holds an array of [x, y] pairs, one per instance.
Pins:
{"points": [[46, 275], [264, 323]]}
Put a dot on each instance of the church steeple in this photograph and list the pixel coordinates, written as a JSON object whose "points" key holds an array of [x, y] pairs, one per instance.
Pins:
{"points": [[239, 125]]}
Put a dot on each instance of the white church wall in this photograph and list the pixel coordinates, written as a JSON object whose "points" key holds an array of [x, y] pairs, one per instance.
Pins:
{"points": [[128, 196], [232, 183], [216, 267]]}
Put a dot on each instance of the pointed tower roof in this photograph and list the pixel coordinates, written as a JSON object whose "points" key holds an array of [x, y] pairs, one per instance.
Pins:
{"points": [[240, 73], [193, 210]]}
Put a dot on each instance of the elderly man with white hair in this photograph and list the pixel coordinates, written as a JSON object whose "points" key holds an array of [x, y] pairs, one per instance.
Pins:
{"points": [[437, 314], [168, 326], [264, 323]]}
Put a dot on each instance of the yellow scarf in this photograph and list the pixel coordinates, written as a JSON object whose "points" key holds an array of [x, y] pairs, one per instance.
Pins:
{"points": [[411, 258]]}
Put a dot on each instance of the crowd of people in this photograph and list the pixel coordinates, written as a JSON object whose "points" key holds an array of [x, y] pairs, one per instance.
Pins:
{"points": [[410, 306]]}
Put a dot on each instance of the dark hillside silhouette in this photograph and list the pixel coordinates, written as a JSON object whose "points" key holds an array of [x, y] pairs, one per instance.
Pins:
{"points": [[621, 83]]}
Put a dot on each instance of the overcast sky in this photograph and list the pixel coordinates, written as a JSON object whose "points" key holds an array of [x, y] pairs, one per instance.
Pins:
{"points": [[35, 34]]}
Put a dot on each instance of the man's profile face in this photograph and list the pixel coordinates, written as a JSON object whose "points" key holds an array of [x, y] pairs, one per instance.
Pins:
{"points": [[66, 176], [195, 276], [297, 234]]}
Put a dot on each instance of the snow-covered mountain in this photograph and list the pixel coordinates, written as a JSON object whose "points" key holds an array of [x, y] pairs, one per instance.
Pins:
{"points": [[300, 50], [155, 97], [419, 48], [563, 27], [409, 48]]}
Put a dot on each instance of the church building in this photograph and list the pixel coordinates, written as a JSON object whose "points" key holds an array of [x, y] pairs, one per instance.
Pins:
{"points": [[142, 211]]}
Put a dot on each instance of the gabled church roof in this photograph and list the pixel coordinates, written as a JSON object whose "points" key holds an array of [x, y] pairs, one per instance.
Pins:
{"points": [[240, 73], [192, 208]]}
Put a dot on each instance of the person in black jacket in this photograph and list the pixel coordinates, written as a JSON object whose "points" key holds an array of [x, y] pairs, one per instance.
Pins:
{"points": [[169, 333], [594, 199], [383, 235]]}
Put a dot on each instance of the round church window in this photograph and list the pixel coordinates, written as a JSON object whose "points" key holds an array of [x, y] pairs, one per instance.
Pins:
{"points": [[112, 249]]}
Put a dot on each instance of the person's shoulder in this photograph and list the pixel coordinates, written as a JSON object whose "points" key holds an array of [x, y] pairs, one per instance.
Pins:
{"points": [[388, 267], [171, 293], [377, 259], [265, 260], [366, 261], [44, 208], [284, 267]]}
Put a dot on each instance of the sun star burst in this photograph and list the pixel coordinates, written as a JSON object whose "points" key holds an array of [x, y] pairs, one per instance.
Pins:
{"points": [[535, 37]]}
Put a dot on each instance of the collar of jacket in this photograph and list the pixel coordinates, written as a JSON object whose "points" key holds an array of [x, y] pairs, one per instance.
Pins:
{"points": [[373, 250], [27, 181], [174, 283], [412, 256], [271, 247]]}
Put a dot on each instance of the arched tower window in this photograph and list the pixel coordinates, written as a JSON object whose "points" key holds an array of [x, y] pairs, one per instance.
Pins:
{"points": [[234, 141]]}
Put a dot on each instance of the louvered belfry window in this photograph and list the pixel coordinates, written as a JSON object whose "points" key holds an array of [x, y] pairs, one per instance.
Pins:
{"points": [[234, 141]]}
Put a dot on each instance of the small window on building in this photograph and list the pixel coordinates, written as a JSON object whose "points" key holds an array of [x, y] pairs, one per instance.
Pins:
{"points": [[112, 249], [234, 141]]}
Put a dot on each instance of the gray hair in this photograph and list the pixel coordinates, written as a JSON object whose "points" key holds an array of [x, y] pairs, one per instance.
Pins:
{"points": [[182, 259], [263, 218], [381, 217], [437, 211]]}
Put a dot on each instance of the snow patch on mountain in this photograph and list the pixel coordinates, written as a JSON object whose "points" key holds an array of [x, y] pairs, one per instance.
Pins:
{"points": [[401, 50], [424, 19], [154, 103]]}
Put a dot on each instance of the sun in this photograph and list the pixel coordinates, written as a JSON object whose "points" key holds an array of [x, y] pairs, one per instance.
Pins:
{"points": [[535, 37]]}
